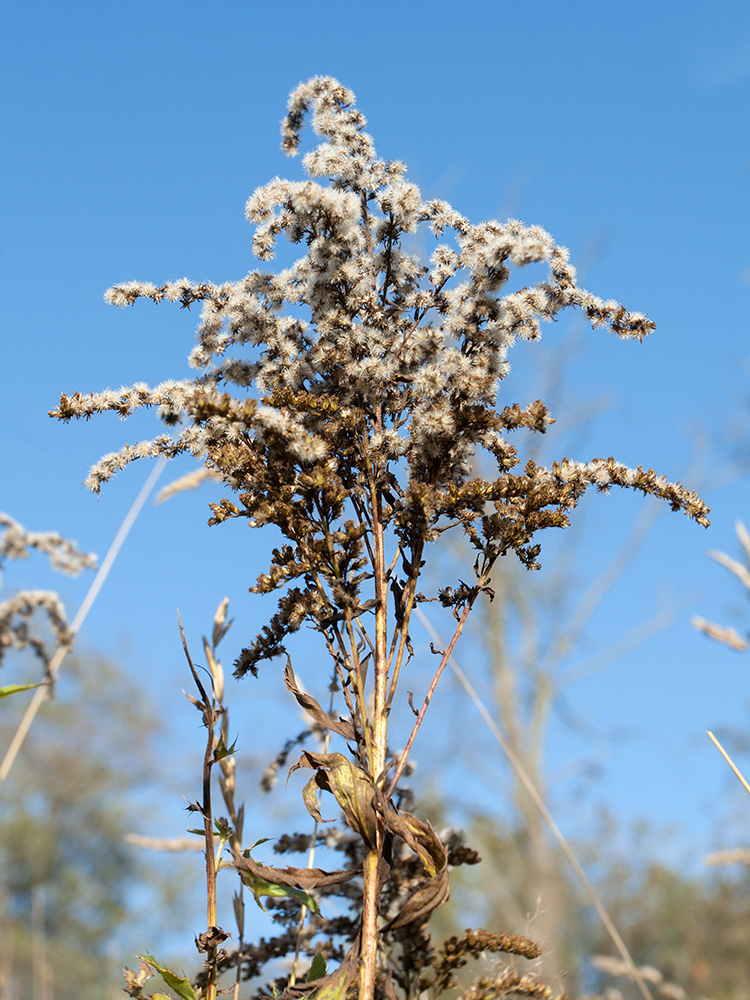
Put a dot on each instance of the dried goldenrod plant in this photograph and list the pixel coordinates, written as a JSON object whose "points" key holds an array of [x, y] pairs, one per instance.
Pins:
{"points": [[345, 400]]}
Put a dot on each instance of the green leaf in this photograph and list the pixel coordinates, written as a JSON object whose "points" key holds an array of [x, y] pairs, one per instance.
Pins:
{"points": [[179, 984], [317, 969], [260, 887], [15, 688], [263, 840], [336, 984], [222, 827], [222, 750]]}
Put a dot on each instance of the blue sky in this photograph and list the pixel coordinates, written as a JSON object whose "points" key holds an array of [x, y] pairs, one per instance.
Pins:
{"points": [[135, 133]]}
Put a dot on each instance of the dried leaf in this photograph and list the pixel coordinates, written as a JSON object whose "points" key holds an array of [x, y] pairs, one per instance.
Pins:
{"points": [[313, 709], [303, 878], [433, 891], [338, 983], [350, 785], [220, 628], [134, 983], [333, 986], [217, 671], [420, 837], [428, 896], [310, 798]]}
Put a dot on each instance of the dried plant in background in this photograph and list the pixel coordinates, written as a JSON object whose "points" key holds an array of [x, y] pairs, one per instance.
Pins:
{"points": [[616, 969], [723, 633], [17, 613], [364, 385]]}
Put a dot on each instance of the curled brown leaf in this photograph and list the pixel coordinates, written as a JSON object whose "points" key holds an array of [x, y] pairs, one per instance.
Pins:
{"points": [[313, 709], [302, 878], [433, 891], [350, 785]]}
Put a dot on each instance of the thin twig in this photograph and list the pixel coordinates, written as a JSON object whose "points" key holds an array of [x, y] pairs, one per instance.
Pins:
{"points": [[428, 697]]}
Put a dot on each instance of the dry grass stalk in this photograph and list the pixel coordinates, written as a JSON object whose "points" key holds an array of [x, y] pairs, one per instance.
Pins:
{"points": [[729, 761], [720, 633]]}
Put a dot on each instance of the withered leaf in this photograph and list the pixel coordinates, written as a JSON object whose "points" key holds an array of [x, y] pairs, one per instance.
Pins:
{"points": [[420, 837], [214, 937], [433, 891], [313, 709], [302, 878], [133, 982], [350, 785], [333, 986], [221, 625], [428, 896], [310, 798]]}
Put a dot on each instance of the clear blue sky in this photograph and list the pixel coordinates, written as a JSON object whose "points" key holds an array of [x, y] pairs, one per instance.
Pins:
{"points": [[133, 135]]}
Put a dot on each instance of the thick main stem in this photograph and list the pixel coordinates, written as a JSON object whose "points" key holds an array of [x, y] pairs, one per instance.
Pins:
{"points": [[377, 755]]}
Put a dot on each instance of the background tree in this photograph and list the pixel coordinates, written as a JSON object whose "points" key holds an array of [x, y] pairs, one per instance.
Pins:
{"points": [[76, 895], [687, 927]]}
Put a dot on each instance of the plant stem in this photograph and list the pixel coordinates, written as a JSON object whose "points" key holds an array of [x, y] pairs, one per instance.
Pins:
{"points": [[210, 719], [210, 858], [377, 755], [369, 940]]}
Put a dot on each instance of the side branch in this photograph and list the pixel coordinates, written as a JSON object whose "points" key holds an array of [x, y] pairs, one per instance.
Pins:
{"points": [[428, 697]]}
